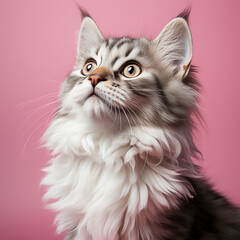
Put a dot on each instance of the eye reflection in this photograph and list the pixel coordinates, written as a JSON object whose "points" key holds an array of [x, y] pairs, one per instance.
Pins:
{"points": [[131, 70], [88, 68]]}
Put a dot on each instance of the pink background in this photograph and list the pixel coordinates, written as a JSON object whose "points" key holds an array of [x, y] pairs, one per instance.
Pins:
{"points": [[37, 49]]}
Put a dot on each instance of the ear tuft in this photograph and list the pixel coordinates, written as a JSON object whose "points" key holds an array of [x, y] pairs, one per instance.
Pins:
{"points": [[84, 13], [185, 14]]}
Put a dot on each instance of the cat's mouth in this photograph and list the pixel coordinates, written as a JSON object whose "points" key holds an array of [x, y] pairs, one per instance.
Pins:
{"points": [[112, 106], [95, 95]]}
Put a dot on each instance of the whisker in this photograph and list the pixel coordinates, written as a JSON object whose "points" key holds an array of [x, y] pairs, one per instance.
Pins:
{"points": [[135, 115], [44, 121], [41, 107], [115, 117], [42, 116], [130, 113], [138, 107], [120, 118], [127, 119], [23, 104]]}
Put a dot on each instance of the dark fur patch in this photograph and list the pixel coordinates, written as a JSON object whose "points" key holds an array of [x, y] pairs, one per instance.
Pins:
{"points": [[207, 216], [161, 92], [191, 79]]}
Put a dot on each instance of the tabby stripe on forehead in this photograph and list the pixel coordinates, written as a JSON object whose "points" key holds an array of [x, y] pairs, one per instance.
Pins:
{"points": [[107, 41], [97, 50], [128, 52], [112, 44], [128, 40], [114, 60]]}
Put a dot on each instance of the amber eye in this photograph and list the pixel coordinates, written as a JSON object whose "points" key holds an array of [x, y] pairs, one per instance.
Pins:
{"points": [[89, 67], [131, 70]]}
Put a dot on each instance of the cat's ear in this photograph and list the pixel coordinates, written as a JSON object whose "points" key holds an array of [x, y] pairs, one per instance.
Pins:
{"points": [[174, 44], [89, 37]]}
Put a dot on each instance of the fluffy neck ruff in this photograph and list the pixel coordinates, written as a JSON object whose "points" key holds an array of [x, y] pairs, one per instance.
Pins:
{"points": [[109, 185]]}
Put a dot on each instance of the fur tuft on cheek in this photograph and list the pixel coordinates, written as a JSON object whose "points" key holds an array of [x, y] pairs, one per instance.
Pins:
{"points": [[181, 97]]}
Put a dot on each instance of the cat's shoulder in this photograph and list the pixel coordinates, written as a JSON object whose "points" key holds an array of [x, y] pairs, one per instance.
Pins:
{"points": [[207, 216]]}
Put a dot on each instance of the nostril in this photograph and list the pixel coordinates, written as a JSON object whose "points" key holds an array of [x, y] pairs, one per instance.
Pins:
{"points": [[95, 79]]}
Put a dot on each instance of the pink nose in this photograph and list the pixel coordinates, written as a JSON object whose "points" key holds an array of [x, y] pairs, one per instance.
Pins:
{"points": [[95, 79]]}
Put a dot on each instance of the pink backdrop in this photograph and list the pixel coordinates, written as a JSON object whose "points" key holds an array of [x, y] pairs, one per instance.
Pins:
{"points": [[37, 49]]}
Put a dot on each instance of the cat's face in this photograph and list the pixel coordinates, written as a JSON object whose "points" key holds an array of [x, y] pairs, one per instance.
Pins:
{"points": [[131, 81]]}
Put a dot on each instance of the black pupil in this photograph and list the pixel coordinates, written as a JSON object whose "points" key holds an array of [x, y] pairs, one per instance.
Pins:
{"points": [[89, 67], [131, 69]]}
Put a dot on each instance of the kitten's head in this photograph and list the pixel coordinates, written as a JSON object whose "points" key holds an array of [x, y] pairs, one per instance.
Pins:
{"points": [[131, 81]]}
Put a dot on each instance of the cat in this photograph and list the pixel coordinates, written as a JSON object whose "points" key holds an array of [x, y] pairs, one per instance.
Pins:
{"points": [[123, 146]]}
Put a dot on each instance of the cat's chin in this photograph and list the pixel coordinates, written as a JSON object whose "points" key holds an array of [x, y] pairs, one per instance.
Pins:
{"points": [[101, 114], [96, 108]]}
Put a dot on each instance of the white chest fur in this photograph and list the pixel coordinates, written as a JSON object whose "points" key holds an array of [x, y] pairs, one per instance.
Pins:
{"points": [[110, 186]]}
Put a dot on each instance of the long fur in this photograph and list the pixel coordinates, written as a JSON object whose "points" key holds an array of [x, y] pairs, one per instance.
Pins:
{"points": [[114, 177]]}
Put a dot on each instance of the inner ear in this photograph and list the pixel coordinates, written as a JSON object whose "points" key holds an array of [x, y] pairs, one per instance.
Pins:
{"points": [[90, 37], [174, 45]]}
